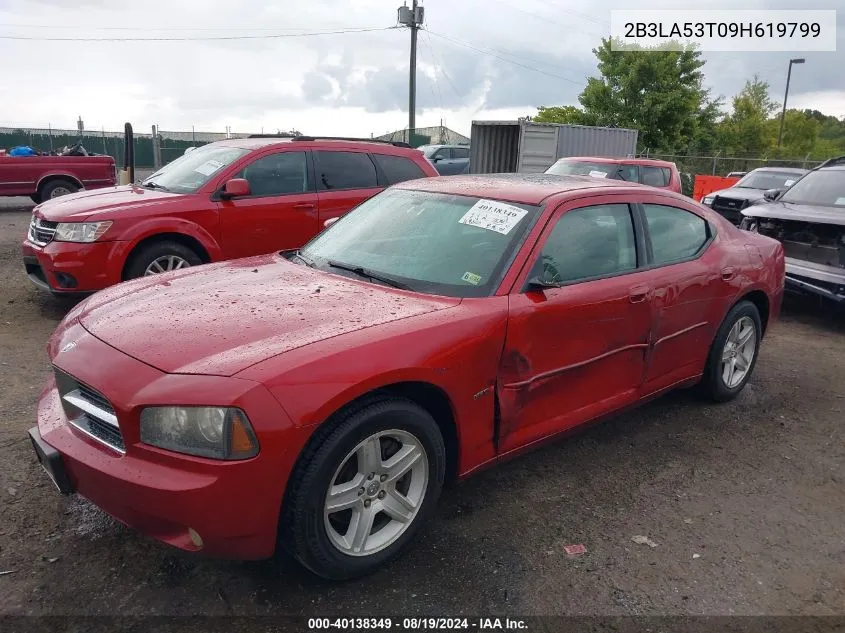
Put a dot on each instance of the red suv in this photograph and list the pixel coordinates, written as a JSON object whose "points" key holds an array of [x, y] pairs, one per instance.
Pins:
{"points": [[222, 201], [646, 171]]}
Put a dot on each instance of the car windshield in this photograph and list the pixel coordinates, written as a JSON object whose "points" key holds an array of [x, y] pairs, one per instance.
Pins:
{"points": [[191, 171], [452, 245], [825, 187], [582, 168], [428, 150], [767, 180]]}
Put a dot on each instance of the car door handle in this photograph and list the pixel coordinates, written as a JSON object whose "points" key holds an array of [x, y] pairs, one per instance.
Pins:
{"points": [[638, 294], [304, 205], [728, 273]]}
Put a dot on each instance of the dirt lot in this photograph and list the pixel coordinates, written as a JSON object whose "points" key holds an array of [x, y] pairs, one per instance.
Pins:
{"points": [[745, 501]]}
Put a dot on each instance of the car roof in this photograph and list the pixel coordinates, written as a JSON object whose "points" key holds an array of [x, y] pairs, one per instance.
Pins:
{"points": [[649, 162], [785, 170], [521, 188], [253, 144]]}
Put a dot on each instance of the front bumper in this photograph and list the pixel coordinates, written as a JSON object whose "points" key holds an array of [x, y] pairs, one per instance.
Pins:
{"points": [[232, 506], [72, 268], [812, 278]]}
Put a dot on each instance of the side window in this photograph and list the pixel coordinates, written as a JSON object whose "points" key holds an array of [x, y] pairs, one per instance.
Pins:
{"points": [[398, 168], [444, 153], [277, 174], [589, 242], [675, 234], [654, 176], [460, 152], [629, 173], [344, 170]]}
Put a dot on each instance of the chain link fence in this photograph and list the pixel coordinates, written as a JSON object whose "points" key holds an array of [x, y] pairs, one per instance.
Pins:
{"points": [[722, 165]]}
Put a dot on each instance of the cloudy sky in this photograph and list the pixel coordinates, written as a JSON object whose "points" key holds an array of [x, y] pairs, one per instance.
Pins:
{"points": [[478, 59]]}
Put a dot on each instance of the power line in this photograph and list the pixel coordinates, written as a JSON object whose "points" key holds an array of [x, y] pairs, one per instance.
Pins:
{"points": [[85, 27], [435, 86], [438, 65], [193, 39], [505, 59]]}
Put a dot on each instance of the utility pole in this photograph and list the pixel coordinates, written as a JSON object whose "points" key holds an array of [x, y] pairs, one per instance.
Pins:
{"points": [[786, 96], [413, 18]]}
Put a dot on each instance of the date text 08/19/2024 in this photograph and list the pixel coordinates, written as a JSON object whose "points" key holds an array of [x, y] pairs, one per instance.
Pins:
{"points": [[417, 624]]}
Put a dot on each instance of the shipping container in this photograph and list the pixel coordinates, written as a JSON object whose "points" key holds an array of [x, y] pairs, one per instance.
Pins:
{"points": [[526, 147]]}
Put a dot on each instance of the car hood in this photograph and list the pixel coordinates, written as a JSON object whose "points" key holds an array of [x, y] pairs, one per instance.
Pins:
{"points": [[221, 318], [797, 212], [95, 202], [737, 193]]}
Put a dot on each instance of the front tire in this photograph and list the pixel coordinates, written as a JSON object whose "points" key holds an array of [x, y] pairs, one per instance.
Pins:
{"points": [[363, 488], [733, 353], [161, 257]]}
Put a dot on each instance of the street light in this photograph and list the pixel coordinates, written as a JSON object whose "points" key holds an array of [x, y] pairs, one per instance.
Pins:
{"points": [[800, 60]]}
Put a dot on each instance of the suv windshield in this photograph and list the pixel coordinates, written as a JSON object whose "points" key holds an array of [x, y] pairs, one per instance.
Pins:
{"points": [[458, 246], [188, 173], [582, 168], [428, 150], [767, 180], [825, 187]]}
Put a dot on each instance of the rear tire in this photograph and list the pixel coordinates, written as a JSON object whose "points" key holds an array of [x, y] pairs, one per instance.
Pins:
{"points": [[161, 257], [733, 353], [390, 502], [56, 188]]}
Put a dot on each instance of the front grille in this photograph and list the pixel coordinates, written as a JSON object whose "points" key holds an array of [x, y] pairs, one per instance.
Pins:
{"points": [[41, 231], [729, 208], [89, 411]]}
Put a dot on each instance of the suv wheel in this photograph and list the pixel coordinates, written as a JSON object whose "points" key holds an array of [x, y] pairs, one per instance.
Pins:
{"points": [[161, 257]]}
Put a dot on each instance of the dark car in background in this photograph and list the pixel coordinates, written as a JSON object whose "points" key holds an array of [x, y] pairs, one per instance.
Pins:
{"points": [[750, 190], [809, 220], [448, 160]]}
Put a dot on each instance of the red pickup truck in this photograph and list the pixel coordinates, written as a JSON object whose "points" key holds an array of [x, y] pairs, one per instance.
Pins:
{"points": [[45, 177]]}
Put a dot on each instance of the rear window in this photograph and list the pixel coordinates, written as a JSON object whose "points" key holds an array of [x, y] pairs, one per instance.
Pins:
{"points": [[398, 168], [344, 170]]}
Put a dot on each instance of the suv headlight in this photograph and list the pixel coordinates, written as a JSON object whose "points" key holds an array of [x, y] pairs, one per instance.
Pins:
{"points": [[81, 231], [707, 200], [216, 432]]}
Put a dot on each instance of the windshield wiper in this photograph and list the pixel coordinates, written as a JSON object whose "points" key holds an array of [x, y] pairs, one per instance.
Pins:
{"points": [[304, 259], [363, 272], [154, 185]]}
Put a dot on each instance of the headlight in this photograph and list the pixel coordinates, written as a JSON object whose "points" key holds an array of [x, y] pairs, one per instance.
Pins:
{"points": [[216, 432], [81, 231], [708, 200]]}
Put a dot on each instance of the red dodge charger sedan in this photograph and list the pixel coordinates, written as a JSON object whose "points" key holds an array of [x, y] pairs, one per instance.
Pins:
{"points": [[317, 399]]}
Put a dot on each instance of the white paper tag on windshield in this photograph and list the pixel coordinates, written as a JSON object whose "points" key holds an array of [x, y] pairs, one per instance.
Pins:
{"points": [[598, 174], [789, 183], [493, 216], [208, 167]]}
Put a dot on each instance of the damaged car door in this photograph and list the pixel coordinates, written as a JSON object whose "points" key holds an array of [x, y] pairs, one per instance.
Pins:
{"points": [[578, 332]]}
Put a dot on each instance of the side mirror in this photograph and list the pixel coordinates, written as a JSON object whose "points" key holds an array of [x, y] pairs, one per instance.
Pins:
{"points": [[234, 188], [436, 159], [537, 283], [772, 194], [329, 222]]}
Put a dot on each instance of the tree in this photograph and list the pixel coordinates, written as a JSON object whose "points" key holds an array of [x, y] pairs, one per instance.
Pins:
{"points": [[747, 130], [658, 92], [560, 114]]}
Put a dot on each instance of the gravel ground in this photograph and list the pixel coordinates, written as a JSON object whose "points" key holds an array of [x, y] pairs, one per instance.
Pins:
{"points": [[744, 501]]}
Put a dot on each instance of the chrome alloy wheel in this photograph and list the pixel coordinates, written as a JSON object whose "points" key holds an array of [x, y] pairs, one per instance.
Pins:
{"points": [[166, 263], [376, 492], [738, 353]]}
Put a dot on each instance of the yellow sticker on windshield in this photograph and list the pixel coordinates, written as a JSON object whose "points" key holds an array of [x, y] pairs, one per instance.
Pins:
{"points": [[472, 278]]}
